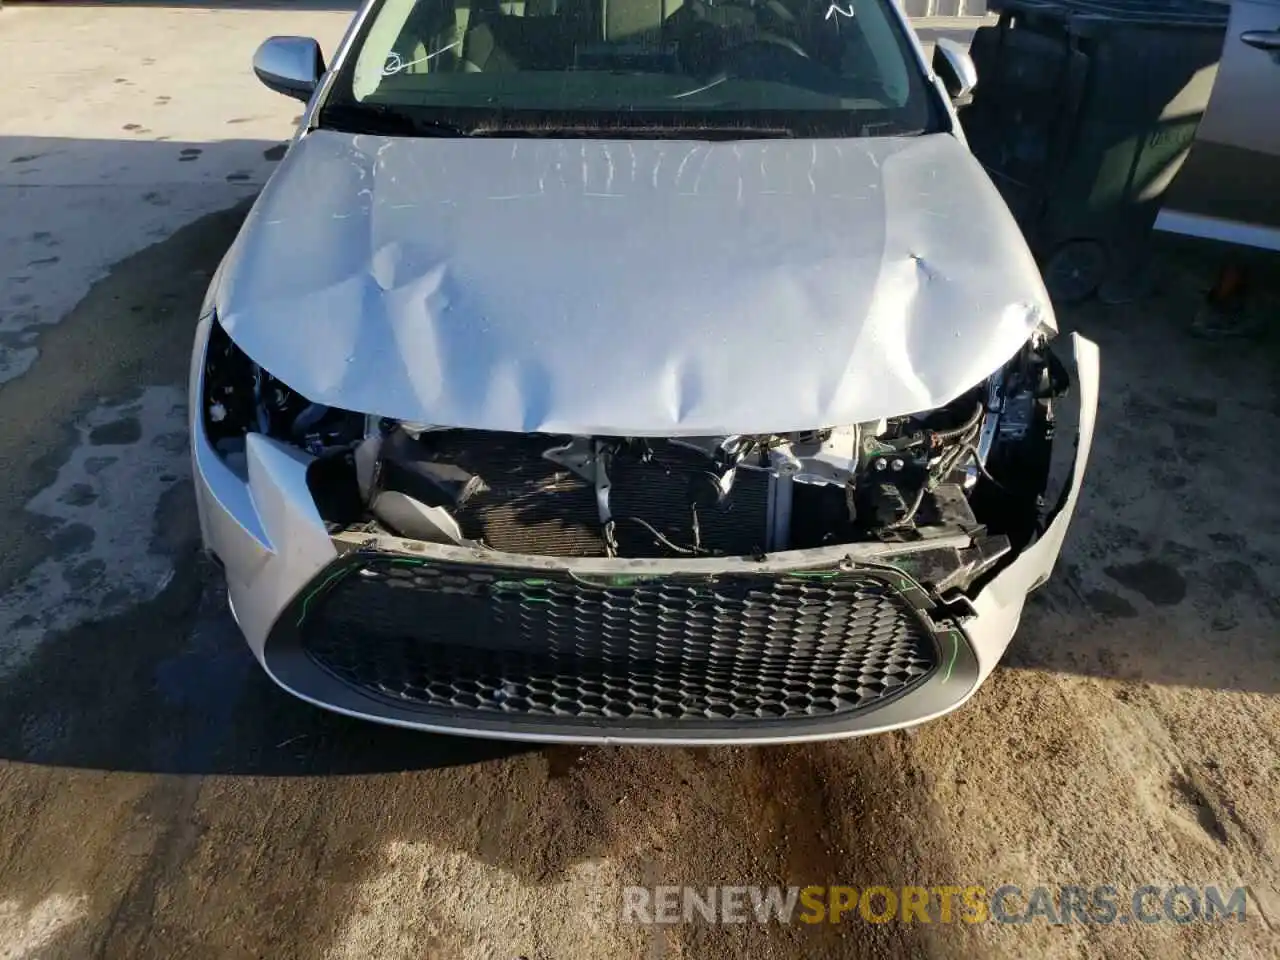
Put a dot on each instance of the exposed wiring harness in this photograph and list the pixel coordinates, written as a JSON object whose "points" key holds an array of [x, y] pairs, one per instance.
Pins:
{"points": [[970, 426], [657, 536], [964, 435]]}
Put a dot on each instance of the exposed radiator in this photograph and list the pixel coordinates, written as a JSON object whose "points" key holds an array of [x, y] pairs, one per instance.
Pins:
{"points": [[660, 493], [534, 506]]}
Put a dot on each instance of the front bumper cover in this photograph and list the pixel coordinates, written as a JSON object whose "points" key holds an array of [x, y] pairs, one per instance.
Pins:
{"points": [[804, 645], [264, 526]]}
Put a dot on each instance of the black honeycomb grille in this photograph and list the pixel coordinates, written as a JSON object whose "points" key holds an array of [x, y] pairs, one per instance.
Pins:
{"points": [[539, 644]]}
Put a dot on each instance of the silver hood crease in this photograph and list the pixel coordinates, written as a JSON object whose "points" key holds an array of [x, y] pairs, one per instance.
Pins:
{"points": [[639, 288]]}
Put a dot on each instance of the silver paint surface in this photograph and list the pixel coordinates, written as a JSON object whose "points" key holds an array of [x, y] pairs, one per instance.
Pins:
{"points": [[635, 288]]}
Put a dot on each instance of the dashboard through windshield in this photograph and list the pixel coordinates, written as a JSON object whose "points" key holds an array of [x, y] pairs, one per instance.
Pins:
{"points": [[633, 67]]}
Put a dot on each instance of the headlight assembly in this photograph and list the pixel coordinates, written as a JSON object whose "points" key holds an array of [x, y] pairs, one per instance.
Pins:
{"points": [[241, 397]]}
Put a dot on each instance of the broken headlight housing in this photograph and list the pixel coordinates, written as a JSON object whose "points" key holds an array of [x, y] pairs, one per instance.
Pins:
{"points": [[241, 397]]}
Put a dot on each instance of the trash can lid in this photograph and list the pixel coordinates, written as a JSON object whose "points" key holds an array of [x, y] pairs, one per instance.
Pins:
{"points": [[1162, 13]]}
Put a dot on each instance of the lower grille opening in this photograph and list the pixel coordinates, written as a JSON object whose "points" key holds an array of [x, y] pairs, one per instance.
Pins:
{"points": [[549, 645]]}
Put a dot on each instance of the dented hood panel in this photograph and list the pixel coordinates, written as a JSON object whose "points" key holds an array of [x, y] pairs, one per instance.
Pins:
{"points": [[630, 288]]}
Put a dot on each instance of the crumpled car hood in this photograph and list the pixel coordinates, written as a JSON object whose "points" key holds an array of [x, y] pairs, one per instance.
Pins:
{"points": [[632, 288]]}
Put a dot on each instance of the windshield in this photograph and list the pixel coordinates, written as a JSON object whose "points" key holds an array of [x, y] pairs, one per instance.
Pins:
{"points": [[632, 67]]}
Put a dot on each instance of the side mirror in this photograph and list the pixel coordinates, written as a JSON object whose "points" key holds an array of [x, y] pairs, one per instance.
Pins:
{"points": [[954, 67], [289, 65]]}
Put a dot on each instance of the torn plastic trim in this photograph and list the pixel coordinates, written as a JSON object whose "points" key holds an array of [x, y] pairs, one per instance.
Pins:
{"points": [[852, 553], [997, 606], [936, 565]]}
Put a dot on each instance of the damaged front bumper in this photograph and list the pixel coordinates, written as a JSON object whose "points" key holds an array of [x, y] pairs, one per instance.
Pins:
{"points": [[805, 644]]}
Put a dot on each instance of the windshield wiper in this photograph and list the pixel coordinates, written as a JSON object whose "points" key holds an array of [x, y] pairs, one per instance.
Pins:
{"points": [[385, 120]]}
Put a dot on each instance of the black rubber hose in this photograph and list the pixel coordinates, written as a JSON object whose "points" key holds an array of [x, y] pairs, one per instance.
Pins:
{"points": [[960, 431]]}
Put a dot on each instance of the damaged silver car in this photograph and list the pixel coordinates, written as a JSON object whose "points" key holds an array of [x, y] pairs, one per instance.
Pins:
{"points": [[639, 370]]}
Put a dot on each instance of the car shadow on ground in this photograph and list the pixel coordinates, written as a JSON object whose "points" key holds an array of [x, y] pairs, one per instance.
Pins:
{"points": [[1168, 576], [116, 647], [1171, 570], [171, 687]]}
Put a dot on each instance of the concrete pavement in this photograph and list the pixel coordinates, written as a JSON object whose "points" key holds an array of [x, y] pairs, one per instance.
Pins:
{"points": [[159, 797]]}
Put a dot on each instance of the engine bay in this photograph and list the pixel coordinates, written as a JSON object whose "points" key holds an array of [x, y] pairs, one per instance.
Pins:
{"points": [[976, 466]]}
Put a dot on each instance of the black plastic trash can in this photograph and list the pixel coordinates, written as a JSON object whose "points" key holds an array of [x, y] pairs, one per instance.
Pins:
{"points": [[1083, 113]]}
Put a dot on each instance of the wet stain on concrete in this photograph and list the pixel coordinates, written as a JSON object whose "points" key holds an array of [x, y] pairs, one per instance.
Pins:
{"points": [[99, 349], [123, 431], [98, 526], [84, 576], [1140, 409], [1110, 604], [1163, 479], [1158, 582], [188, 154], [1225, 538], [1200, 406], [1180, 554], [71, 538], [1114, 535], [239, 176], [275, 153], [44, 262], [1221, 623], [1194, 441], [27, 158], [78, 495], [170, 442], [95, 465], [1228, 578]]}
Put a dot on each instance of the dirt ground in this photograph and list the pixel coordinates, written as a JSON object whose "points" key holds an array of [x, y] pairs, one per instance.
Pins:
{"points": [[158, 797]]}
